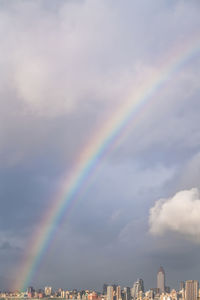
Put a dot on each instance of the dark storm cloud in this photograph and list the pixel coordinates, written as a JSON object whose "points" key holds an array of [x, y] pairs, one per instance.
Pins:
{"points": [[66, 66]]}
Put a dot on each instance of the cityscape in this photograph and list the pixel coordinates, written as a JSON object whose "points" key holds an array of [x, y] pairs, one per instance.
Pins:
{"points": [[188, 290]]}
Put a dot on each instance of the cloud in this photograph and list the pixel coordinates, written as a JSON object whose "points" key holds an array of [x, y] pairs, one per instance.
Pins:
{"points": [[73, 66], [61, 59], [178, 214], [66, 66]]}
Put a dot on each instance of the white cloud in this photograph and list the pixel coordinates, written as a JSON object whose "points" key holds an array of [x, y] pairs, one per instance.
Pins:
{"points": [[179, 214], [86, 59], [55, 62]]}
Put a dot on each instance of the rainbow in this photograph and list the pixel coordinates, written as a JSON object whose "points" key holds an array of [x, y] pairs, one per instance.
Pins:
{"points": [[111, 133]]}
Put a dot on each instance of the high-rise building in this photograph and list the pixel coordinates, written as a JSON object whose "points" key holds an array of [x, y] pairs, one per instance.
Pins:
{"points": [[191, 289], [182, 285], [127, 293], [141, 285], [138, 286], [105, 288], [109, 292], [161, 280], [114, 291], [118, 293], [62, 294]]}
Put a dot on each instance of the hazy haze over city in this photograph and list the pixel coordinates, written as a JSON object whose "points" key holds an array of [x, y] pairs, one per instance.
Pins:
{"points": [[66, 66]]}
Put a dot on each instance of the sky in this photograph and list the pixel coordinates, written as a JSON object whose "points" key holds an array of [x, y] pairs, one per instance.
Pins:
{"points": [[66, 68]]}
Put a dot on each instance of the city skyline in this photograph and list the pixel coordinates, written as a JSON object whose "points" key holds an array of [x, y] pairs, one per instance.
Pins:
{"points": [[112, 287], [189, 290], [99, 143]]}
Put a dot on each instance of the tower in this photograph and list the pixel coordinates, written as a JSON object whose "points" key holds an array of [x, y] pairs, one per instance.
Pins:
{"points": [[161, 280], [127, 293], [191, 289], [105, 288], [109, 292], [182, 285], [138, 286], [118, 293]]}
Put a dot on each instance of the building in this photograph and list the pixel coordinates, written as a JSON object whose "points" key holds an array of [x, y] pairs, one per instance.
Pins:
{"points": [[63, 294], [30, 292], [118, 293], [138, 286], [109, 292], [92, 295], [40, 294], [174, 295], [105, 288], [126, 293], [48, 290], [182, 285], [167, 289], [149, 294], [161, 280], [191, 289]]}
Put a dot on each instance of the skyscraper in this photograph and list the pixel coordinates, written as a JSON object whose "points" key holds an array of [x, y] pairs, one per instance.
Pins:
{"points": [[138, 286], [191, 289], [182, 285], [109, 292], [161, 280], [105, 288], [127, 293], [118, 293]]}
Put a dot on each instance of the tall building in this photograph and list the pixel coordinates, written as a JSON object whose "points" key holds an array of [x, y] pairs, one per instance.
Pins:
{"points": [[127, 293], [118, 293], [182, 285], [114, 291], [161, 280], [109, 292], [138, 286], [105, 288], [191, 289], [63, 294], [141, 285]]}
